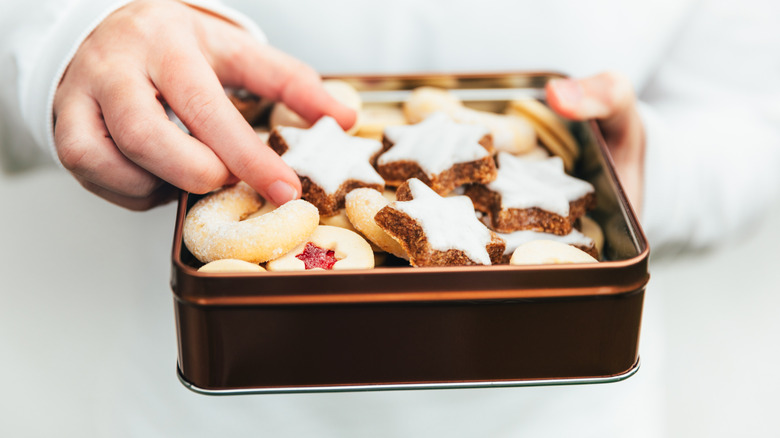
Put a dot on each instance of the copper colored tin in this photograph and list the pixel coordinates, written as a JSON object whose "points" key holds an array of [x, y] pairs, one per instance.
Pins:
{"points": [[403, 327]]}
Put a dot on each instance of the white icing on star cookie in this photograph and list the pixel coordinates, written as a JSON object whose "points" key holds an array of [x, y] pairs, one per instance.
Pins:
{"points": [[544, 184], [448, 223], [328, 156], [436, 144]]}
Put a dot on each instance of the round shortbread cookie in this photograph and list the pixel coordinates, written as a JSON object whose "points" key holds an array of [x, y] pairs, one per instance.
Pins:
{"points": [[282, 115], [375, 118], [215, 227], [338, 220], [548, 252], [425, 101], [333, 247], [361, 207], [230, 265], [550, 141], [537, 153], [592, 229]]}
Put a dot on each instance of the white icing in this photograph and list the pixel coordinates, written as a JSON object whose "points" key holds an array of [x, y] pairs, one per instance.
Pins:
{"points": [[329, 156], [448, 223], [526, 183], [517, 238], [436, 143]]}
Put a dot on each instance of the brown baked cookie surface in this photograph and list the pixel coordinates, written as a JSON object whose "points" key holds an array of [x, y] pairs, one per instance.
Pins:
{"points": [[438, 231], [532, 195], [328, 161], [439, 152]]}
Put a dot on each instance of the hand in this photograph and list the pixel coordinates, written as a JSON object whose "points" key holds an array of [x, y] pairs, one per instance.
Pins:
{"points": [[609, 98], [111, 130]]}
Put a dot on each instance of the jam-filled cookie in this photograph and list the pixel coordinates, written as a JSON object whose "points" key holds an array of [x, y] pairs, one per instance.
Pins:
{"points": [[327, 248]]}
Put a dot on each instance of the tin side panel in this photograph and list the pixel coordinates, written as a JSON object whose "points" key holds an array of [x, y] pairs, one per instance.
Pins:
{"points": [[331, 345]]}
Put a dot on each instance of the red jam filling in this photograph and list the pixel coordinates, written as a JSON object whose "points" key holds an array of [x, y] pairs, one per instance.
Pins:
{"points": [[315, 257]]}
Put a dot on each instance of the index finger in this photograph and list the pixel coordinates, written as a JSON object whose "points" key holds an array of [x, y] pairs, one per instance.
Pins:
{"points": [[191, 88], [267, 71]]}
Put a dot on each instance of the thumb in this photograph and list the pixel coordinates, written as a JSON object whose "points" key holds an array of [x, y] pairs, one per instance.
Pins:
{"points": [[608, 97]]}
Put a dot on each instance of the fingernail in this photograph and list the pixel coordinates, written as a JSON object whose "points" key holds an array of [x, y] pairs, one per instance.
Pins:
{"points": [[567, 89], [280, 192]]}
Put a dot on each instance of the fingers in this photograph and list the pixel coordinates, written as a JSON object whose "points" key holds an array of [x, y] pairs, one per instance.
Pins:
{"points": [[86, 149], [269, 72], [143, 133], [608, 98], [603, 96], [191, 88]]}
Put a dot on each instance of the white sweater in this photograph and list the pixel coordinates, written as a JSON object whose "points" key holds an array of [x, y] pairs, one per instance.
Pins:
{"points": [[706, 73]]}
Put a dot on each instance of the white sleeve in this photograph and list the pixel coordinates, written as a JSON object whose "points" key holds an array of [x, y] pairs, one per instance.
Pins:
{"points": [[712, 120], [35, 50]]}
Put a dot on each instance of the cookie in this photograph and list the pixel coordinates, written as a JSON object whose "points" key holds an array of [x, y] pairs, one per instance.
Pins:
{"points": [[574, 238], [532, 195], [218, 226], [438, 151], [361, 207], [547, 252], [230, 265], [593, 231], [438, 231], [510, 134], [375, 118], [328, 161], [327, 248], [550, 128], [251, 106]]}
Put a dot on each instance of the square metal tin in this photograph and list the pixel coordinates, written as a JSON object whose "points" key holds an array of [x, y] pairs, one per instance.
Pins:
{"points": [[411, 328]]}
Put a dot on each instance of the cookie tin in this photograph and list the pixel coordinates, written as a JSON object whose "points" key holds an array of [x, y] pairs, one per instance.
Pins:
{"points": [[413, 328]]}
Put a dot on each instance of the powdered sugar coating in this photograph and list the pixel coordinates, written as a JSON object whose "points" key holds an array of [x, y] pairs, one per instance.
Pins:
{"points": [[436, 143], [448, 223], [328, 156], [527, 183], [214, 229]]}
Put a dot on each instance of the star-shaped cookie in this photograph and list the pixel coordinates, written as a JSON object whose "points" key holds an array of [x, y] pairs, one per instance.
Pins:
{"points": [[328, 161], [438, 151], [438, 231], [532, 195]]}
